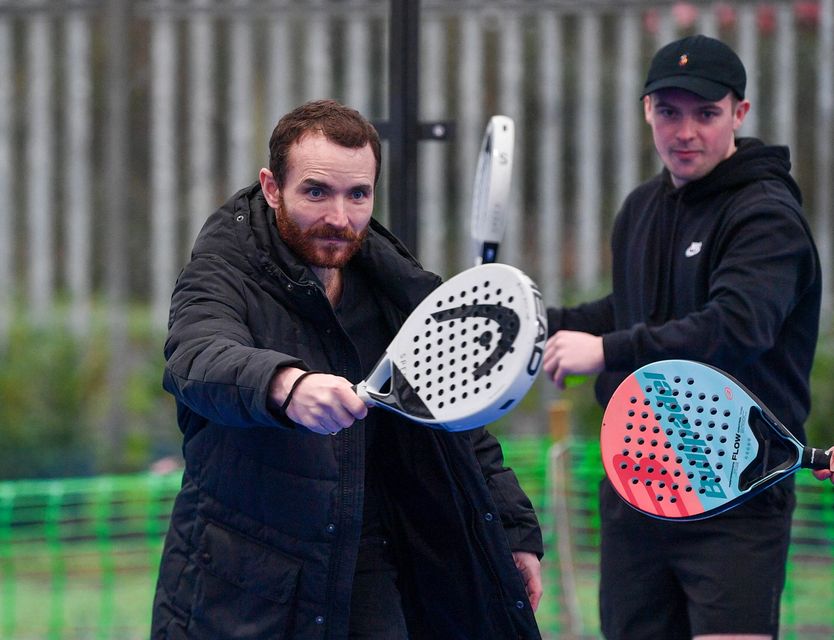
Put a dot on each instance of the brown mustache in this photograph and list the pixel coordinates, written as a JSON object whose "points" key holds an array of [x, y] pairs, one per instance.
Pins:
{"points": [[329, 232]]}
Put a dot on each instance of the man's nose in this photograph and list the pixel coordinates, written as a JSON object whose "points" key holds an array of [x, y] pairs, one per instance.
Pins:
{"points": [[686, 130], [337, 213]]}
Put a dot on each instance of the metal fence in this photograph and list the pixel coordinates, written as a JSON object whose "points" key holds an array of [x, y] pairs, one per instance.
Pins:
{"points": [[123, 124]]}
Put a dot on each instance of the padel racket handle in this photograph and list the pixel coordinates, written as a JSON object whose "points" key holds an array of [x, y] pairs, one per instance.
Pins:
{"points": [[816, 459]]}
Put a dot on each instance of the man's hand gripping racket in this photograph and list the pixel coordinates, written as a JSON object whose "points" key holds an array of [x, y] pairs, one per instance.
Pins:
{"points": [[467, 353], [682, 440], [491, 191]]}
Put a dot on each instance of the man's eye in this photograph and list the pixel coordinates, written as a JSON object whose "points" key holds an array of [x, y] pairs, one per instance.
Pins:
{"points": [[315, 192], [358, 194]]}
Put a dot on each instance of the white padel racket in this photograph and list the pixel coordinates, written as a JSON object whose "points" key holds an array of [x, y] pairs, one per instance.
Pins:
{"points": [[466, 354], [491, 191], [683, 440]]}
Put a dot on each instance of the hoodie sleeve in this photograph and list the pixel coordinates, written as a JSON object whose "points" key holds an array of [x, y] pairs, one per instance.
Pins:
{"points": [[212, 365], [592, 317], [764, 264]]}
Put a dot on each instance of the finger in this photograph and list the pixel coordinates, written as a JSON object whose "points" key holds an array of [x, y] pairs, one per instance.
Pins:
{"points": [[822, 474], [559, 378]]}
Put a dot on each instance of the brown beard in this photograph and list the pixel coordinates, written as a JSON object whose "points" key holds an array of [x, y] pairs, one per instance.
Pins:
{"points": [[303, 243]]}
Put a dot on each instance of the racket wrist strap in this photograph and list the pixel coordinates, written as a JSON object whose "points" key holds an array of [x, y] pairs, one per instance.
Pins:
{"points": [[294, 386]]}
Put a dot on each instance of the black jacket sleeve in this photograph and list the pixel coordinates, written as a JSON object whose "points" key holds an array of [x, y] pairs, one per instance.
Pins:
{"points": [[517, 514], [212, 364]]}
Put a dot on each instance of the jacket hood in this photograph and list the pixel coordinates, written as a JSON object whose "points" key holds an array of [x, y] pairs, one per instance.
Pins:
{"points": [[753, 161]]}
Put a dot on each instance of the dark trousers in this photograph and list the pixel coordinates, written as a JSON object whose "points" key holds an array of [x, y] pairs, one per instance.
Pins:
{"points": [[376, 611]]}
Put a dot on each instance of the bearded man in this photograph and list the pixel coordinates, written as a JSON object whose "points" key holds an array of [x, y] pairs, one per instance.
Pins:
{"points": [[303, 514]]}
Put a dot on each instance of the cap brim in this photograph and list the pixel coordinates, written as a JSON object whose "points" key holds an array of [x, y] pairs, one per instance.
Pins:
{"points": [[707, 89]]}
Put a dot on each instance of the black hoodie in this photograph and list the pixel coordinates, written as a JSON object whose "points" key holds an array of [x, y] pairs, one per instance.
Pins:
{"points": [[722, 270]]}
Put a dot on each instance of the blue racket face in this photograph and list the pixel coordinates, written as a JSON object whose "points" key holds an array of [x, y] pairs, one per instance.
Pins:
{"points": [[676, 441]]}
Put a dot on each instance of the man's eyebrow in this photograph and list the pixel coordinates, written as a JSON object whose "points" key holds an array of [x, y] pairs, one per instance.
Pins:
{"points": [[312, 182]]}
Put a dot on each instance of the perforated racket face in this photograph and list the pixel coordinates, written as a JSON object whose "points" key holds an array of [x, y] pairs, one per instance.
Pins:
{"points": [[491, 191], [675, 439], [469, 352]]}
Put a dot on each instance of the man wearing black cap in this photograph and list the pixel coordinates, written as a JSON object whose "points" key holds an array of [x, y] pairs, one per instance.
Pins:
{"points": [[712, 261]]}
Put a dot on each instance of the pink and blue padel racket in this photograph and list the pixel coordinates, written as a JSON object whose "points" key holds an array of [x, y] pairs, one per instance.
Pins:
{"points": [[682, 440]]}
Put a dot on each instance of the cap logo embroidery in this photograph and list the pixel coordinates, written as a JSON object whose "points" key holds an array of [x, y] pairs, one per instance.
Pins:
{"points": [[683, 60]]}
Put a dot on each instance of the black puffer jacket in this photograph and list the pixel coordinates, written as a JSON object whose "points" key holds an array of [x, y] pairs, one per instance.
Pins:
{"points": [[264, 533]]}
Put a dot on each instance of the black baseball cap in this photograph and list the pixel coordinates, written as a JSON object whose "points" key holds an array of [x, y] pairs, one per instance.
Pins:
{"points": [[705, 66]]}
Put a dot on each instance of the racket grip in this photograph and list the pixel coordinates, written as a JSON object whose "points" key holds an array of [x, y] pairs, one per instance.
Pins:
{"points": [[815, 459]]}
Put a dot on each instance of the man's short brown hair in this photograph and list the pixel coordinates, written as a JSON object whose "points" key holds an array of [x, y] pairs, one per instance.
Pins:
{"points": [[338, 123]]}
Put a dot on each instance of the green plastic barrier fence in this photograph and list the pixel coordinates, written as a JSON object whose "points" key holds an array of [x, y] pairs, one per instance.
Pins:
{"points": [[78, 557]]}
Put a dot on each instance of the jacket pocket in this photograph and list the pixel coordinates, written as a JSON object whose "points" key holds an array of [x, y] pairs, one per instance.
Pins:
{"points": [[243, 589]]}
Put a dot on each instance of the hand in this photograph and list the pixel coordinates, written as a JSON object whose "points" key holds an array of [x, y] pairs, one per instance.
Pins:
{"points": [[321, 402], [531, 572], [572, 352], [826, 474]]}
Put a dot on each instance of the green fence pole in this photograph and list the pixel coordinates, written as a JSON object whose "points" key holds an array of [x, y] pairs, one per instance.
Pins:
{"points": [[102, 513], [52, 534], [7, 560]]}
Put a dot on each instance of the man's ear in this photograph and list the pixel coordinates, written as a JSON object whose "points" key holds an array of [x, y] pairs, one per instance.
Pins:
{"points": [[742, 109], [647, 109], [272, 192]]}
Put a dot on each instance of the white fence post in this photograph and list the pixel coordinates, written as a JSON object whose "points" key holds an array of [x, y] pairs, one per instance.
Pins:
{"points": [[824, 167], [589, 242], [164, 202], [240, 168], [78, 170], [40, 167], [7, 175], [201, 109]]}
